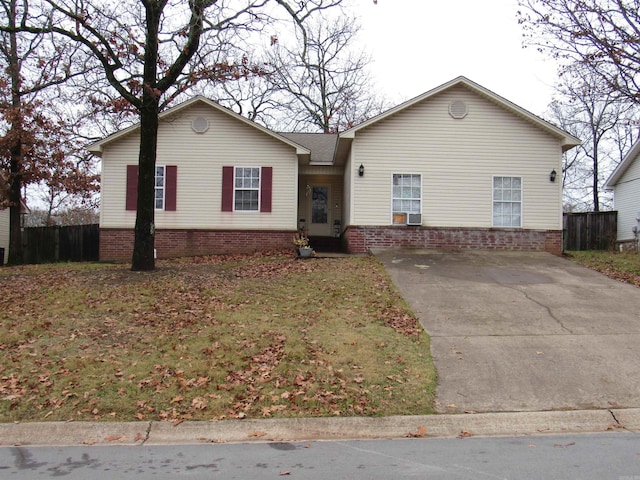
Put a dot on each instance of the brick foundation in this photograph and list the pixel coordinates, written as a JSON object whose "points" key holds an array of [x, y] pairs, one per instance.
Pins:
{"points": [[116, 245], [361, 239]]}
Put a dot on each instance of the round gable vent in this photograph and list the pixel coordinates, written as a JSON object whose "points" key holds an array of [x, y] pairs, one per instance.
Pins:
{"points": [[458, 109], [200, 124]]}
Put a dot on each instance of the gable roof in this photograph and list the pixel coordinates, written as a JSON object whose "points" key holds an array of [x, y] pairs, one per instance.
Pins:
{"points": [[97, 147], [568, 140], [322, 145], [623, 166]]}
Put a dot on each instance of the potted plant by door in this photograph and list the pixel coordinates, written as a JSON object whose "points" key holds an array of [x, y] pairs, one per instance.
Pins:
{"points": [[301, 241]]}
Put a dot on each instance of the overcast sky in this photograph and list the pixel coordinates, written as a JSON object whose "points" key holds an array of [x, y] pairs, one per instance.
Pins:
{"points": [[417, 45]]}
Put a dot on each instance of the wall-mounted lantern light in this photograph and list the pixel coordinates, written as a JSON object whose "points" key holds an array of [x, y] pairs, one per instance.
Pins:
{"points": [[552, 175], [361, 170]]}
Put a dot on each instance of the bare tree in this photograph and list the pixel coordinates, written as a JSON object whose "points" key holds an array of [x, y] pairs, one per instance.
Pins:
{"points": [[602, 35], [324, 82], [150, 51], [590, 112]]}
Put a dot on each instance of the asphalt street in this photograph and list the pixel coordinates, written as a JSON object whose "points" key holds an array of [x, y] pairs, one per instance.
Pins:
{"points": [[586, 456]]}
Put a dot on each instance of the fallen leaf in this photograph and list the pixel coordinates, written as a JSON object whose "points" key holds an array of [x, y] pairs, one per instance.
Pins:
{"points": [[285, 473], [116, 438], [257, 434], [464, 434], [613, 426], [420, 433], [139, 437]]}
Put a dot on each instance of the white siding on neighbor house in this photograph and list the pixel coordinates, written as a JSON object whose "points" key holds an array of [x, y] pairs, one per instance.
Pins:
{"points": [[457, 159], [4, 232], [200, 158], [626, 195]]}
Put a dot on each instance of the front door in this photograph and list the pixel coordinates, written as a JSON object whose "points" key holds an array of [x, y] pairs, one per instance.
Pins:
{"points": [[320, 211]]}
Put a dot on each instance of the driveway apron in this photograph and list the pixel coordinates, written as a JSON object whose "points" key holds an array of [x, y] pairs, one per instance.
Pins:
{"points": [[520, 331]]}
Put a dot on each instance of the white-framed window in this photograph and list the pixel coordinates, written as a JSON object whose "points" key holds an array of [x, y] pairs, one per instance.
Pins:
{"points": [[406, 196], [507, 201], [160, 184], [246, 190]]}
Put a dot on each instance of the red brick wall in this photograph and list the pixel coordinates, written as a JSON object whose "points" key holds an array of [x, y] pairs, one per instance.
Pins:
{"points": [[361, 239], [116, 245]]}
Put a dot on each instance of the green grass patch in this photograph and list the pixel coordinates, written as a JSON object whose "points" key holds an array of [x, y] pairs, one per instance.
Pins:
{"points": [[209, 338], [623, 266]]}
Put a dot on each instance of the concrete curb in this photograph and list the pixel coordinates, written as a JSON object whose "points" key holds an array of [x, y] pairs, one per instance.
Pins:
{"points": [[317, 429]]}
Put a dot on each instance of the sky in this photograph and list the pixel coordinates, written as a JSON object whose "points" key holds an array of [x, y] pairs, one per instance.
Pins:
{"points": [[417, 45]]}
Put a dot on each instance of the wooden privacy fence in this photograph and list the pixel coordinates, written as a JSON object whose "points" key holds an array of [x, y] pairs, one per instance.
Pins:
{"points": [[590, 230], [76, 243]]}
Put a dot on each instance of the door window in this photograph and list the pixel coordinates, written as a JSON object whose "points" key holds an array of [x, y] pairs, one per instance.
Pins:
{"points": [[320, 205]]}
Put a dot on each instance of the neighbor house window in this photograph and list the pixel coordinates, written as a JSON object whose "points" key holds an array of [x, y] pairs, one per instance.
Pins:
{"points": [[406, 196], [246, 189], [507, 201], [160, 187]]}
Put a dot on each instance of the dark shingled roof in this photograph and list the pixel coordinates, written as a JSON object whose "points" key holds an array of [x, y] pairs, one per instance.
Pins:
{"points": [[322, 145]]}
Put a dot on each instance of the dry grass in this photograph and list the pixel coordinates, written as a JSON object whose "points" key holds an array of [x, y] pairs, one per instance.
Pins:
{"points": [[621, 266], [209, 338]]}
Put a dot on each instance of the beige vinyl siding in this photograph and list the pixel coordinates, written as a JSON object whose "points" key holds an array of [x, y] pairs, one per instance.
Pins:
{"points": [[627, 200], [200, 158], [457, 159], [4, 232], [320, 170], [348, 188]]}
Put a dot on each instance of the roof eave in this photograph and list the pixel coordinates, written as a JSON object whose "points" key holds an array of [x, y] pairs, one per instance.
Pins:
{"points": [[622, 166], [568, 140], [98, 147]]}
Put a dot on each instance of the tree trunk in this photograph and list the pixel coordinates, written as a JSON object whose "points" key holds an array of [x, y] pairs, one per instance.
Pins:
{"points": [[144, 240], [596, 199], [143, 249], [15, 224], [15, 169]]}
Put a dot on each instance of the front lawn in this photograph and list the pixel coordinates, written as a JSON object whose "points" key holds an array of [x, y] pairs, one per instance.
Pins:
{"points": [[209, 338], [621, 266]]}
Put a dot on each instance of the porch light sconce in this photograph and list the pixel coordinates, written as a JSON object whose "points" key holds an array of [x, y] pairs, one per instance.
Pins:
{"points": [[361, 171], [552, 175]]}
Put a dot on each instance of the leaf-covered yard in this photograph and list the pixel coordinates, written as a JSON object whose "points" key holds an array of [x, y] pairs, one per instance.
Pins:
{"points": [[209, 338], [624, 267]]}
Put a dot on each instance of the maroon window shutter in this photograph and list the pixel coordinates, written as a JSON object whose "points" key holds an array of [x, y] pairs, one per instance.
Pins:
{"points": [[227, 189], [266, 187], [171, 172], [132, 187]]}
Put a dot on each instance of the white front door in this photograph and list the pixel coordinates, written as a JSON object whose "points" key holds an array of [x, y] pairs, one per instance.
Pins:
{"points": [[319, 213]]}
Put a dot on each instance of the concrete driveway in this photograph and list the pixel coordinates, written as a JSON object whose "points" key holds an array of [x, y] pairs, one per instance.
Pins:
{"points": [[522, 331]]}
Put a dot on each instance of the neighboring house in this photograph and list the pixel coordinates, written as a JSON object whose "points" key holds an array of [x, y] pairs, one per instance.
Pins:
{"points": [[456, 167], [625, 183], [4, 234]]}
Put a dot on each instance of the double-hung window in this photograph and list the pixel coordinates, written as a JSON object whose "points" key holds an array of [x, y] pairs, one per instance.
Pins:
{"points": [[160, 187], [406, 196], [247, 189], [507, 201]]}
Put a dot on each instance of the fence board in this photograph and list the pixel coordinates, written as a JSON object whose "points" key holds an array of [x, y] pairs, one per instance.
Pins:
{"points": [[74, 243], [590, 230]]}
